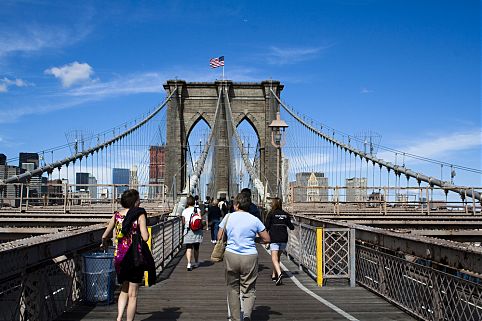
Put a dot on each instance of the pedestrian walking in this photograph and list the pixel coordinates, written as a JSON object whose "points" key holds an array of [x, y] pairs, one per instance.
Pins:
{"points": [[214, 218], [277, 224], [241, 256], [127, 223], [253, 208], [193, 237]]}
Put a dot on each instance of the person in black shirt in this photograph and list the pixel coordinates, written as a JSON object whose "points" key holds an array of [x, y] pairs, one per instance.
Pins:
{"points": [[214, 218], [277, 223], [253, 209]]}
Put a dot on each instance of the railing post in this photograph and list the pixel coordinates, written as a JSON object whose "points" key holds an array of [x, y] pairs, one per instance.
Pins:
{"points": [[113, 198], [319, 256], [385, 199], [473, 202], [163, 244], [428, 201], [352, 258], [172, 238], [21, 196], [28, 195], [300, 250], [66, 191], [149, 244]]}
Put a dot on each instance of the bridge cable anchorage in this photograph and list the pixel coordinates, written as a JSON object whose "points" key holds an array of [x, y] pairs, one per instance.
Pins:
{"points": [[463, 192], [80, 155], [257, 182]]}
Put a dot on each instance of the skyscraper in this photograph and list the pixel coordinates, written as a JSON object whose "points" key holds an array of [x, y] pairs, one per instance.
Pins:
{"points": [[93, 189], [133, 180], [120, 176], [30, 162], [156, 169], [356, 189], [81, 178]]}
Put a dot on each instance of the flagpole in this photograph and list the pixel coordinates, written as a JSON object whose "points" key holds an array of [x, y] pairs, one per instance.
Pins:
{"points": [[223, 72]]}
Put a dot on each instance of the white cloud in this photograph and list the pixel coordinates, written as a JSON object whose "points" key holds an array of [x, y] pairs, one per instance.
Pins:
{"points": [[32, 38], [149, 82], [6, 82], [440, 146], [13, 114], [284, 56], [132, 84], [72, 73]]}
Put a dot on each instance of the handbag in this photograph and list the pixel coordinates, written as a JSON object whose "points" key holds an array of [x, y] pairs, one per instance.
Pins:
{"points": [[218, 252], [139, 255]]}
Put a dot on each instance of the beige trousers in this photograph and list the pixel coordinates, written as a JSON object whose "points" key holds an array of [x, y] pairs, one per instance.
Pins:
{"points": [[241, 275]]}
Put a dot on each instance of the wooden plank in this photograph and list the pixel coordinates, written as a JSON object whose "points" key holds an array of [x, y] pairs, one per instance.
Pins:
{"points": [[201, 295]]}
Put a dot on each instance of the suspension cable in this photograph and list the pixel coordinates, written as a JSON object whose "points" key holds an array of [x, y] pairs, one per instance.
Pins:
{"points": [[79, 155], [396, 168]]}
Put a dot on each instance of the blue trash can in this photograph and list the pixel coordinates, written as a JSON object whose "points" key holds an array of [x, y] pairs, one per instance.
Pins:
{"points": [[99, 277]]}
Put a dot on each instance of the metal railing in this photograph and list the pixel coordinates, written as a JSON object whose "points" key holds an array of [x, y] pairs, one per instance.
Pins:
{"points": [[63, 197], [325, 253], [421, 200], [423, 291], [432, 279], [40, 277]]}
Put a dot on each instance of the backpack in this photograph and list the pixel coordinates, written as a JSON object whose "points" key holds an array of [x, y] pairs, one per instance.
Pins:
{"points": [[196, 221]]}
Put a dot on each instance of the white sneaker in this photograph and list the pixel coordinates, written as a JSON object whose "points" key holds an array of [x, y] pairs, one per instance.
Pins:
{"points": [[189, 267]]}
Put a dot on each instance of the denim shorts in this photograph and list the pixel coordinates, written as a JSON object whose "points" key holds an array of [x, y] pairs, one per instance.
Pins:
{"points": [[277, 246]]}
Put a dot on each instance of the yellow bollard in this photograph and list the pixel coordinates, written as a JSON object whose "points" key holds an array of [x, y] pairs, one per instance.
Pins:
{"points": [[319, 256], [149, 243]]}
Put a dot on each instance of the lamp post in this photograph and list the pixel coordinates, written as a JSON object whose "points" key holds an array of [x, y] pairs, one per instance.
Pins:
{"points": [[278, 127]]}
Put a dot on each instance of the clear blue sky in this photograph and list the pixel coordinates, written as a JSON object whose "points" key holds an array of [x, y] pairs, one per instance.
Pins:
{"points": [[409, 70]]}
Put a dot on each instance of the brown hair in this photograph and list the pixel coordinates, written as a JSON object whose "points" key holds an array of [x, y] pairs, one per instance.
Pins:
{"points": [[276, 204], [190, 201], [243, 201]]}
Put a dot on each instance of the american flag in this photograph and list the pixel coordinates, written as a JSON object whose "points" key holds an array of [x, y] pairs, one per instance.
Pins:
{"points": [[216, 62]]}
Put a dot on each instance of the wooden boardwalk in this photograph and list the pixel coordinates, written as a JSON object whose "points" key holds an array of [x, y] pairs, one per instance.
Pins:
{"points": [[201, 295]]}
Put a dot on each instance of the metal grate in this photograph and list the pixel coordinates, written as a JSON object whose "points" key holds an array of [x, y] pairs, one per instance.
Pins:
{"points": [[427, 293], [337, 256], [336, 253]]}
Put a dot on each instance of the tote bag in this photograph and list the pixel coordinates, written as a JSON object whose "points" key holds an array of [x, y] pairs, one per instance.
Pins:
{"points": [[218, 252]]}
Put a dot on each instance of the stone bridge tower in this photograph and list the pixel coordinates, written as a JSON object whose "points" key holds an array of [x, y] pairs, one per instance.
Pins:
{"points": [[197, 100]]}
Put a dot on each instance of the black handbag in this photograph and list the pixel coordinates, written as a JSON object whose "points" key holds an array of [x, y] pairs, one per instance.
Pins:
{"points": [[141, 254], [139, 257]]}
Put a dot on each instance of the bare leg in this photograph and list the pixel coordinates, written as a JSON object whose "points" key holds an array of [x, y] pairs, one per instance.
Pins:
{"points": [[122, 301], [196, 256], [275, 256], [132, 306], [188, 255]]}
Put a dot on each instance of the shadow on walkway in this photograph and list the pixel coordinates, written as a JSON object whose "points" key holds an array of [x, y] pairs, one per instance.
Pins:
{"points": [[173, 313]]}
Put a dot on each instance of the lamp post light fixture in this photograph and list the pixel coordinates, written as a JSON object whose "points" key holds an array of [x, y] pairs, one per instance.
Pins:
{"points": [[278, 127]]}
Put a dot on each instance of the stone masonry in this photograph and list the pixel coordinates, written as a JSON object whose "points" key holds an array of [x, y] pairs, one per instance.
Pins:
{"points": [[197, 100]]}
